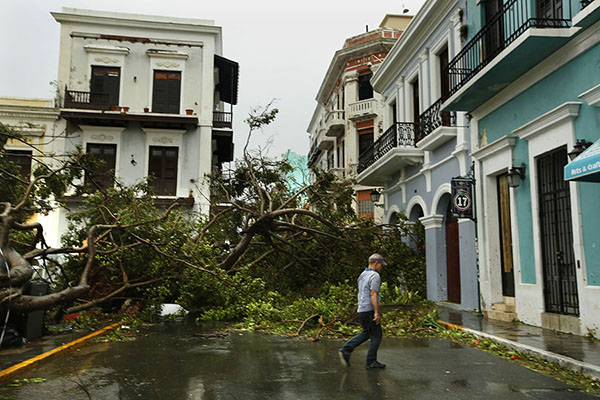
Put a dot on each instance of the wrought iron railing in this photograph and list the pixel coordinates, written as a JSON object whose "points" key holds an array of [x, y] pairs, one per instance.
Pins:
{"points": [[87, 100], [585, 3], [433, 118], [399, 134], [510, 22]]}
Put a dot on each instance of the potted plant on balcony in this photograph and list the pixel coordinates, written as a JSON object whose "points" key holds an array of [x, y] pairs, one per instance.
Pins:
{"points": [[124, 109], [189, 111], [146, 109]]}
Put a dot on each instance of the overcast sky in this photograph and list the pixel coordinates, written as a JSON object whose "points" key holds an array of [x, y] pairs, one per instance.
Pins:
{"points": [[283, 47]]}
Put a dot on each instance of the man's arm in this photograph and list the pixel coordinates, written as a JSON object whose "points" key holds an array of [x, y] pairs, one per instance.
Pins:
{"points": [[375, 302]]}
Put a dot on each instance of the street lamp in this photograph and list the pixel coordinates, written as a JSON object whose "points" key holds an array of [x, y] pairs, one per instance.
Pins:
{"points": [[578, 148], [515, 175], [375, 196]]}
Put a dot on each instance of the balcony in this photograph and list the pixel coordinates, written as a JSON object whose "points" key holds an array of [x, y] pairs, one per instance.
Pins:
{"points": [[362, 109], [436, 127], [324, 142], [86, 100], [335, 122], [509, 45], [222, 119], [313, 155], [395, 149], [588, 15]]}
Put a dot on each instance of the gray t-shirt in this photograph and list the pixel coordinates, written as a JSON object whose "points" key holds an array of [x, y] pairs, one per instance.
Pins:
{"points": [[367, 281]]}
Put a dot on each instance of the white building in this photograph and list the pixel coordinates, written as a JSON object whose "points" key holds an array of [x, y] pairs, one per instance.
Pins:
{"points": [[146, 95]]}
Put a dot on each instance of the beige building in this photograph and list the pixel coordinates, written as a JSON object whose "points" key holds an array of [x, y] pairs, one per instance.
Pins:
{"points": [[348, 117]]}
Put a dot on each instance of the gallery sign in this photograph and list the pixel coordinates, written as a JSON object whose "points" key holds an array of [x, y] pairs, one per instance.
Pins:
{"points": [[462, 197]]}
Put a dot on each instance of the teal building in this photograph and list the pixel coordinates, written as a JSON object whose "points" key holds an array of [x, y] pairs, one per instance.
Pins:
{"points": [[528, 75]]}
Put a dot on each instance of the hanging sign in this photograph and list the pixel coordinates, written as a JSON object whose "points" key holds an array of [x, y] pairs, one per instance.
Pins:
{"points": [[462, 197]]}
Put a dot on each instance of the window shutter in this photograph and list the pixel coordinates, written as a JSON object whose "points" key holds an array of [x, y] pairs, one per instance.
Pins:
{"points": [[163, 169], [167, 92]]}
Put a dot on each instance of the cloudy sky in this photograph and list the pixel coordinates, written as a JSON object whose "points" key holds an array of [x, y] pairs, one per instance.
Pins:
{"points": [[283, 47]]}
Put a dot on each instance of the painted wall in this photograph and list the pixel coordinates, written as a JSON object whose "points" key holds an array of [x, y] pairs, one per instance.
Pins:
{"points": [[563, 85]]}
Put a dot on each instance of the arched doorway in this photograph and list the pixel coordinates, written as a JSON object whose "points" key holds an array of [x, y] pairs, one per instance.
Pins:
{"points": [[452, 251]]}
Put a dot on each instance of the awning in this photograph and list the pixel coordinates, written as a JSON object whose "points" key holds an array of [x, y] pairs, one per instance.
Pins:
{"points": [[228, 79], [586, 167]]}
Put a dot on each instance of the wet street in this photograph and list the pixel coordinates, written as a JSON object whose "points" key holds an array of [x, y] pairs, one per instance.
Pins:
{"points": [[171, 363]]}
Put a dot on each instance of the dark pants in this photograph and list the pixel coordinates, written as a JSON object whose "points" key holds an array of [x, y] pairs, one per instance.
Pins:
{"points": [[372, 331]]}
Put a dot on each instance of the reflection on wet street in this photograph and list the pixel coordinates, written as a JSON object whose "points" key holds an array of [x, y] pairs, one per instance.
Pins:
{"points": [[171, 362]]}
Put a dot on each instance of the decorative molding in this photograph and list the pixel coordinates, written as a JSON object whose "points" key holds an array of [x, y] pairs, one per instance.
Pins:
{"points": [[168, 64], [93, 48], [592, 96], [106, 60], [434, 221], [28, 115], [163, 140], [455, 17], [508, 141], [167, 54], [102, 137], [568, 110]]}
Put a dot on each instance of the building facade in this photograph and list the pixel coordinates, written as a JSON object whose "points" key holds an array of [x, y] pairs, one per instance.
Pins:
{"points": [[528, 75], [422, 149], [148, 96], [349, 114]]}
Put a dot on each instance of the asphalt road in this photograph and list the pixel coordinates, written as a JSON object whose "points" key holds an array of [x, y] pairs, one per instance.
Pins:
{"points": [[171, 363]]}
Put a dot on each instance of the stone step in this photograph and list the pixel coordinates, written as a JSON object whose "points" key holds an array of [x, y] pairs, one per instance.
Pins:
{"points": [[501, 315], [509, 308], [508, 300]]}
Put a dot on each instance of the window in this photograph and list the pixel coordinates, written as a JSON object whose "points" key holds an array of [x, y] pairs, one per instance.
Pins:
{"points": [[341, 154], [329, 159], [22, 158], [366, 209], [444, 82], [393, 112], [365, 140], [166, 92], [102, 176], [162, 170], [415, 100], [105, 85], [365, 90]]}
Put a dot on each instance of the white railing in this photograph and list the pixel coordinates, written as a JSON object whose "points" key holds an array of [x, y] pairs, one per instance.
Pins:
{"points": [[362, 108]]}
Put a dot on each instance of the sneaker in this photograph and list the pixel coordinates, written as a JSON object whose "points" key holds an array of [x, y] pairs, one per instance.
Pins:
{"points": [[375, 365], [344, 358]]}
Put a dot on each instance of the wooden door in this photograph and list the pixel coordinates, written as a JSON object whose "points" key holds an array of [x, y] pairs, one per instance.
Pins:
{"points": [[505, 235], [452, 257]]}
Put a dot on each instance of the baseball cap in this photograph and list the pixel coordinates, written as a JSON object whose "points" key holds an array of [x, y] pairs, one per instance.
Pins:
{"points": [[375, 257]]}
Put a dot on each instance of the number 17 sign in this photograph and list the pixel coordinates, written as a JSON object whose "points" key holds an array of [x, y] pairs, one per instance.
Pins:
{"points": [[462, 197]]}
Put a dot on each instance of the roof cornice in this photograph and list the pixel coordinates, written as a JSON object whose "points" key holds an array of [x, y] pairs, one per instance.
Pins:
{"points": [[420, 27], [342, 56], [128, 20]]}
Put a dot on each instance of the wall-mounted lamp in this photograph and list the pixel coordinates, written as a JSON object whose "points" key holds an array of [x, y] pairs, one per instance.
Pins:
{"points": [[133, 162], [578, 148], [375, 196], [516, 175]]}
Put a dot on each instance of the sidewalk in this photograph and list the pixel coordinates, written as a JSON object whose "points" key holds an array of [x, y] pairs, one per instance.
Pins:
{"points": [[17, 359], [576, 352]]}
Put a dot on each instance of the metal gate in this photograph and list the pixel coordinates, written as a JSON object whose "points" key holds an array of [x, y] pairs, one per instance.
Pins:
{"points": [[560, 280]]}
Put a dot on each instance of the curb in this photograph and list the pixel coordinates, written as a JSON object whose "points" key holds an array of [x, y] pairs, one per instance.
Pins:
{"points": [[27, 364], [568, 362]]}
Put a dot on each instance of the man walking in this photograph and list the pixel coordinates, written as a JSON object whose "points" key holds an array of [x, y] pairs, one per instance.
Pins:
{"points": [[369, 285]]}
